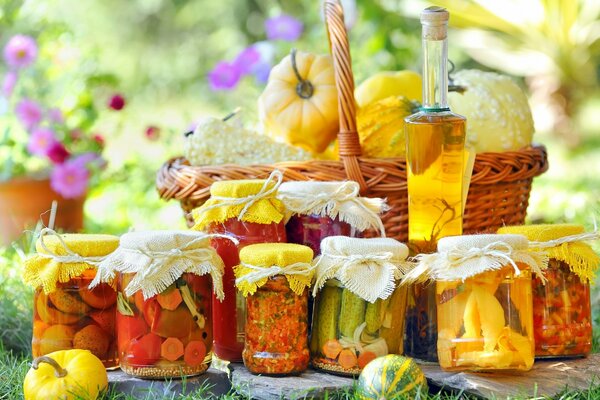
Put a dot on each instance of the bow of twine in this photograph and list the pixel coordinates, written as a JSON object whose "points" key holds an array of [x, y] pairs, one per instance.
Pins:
{"points": [[248, 201], [580, 237], [70, 257], [259, 273], [498, 250]]}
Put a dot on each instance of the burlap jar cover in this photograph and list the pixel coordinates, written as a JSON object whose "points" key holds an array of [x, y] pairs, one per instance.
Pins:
{"points": [[334, 200]]}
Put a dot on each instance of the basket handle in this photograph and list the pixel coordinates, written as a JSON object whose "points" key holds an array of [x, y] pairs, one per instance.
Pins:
{"points": [[348, 140]]}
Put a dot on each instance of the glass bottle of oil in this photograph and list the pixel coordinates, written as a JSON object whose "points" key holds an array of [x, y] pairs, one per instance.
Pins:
{"points": [[435, 154]]}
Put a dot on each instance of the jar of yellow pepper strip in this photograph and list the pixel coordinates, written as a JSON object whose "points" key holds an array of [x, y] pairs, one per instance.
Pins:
{"points": [[483, 297], [275, 279], [66, 313], [562, 319], [359, 310]]}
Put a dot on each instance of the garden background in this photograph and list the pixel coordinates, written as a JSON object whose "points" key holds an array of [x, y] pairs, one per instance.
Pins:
{"points": [[168, 59]]}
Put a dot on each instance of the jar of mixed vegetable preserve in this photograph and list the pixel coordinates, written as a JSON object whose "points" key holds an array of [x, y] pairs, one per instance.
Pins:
{"points": [[484, 305], [562, 318], [317, 210], [359, 309], [165, 284], [276, 278], [66, 313], [248, 211]]}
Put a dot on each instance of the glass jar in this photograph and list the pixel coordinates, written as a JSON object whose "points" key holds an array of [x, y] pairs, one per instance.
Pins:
{"points": [[562, 316], [276, 329], [348, 332], [485, 322], [168, 335], [229, 315], [75, 317], [421, 322], [310, 230]]}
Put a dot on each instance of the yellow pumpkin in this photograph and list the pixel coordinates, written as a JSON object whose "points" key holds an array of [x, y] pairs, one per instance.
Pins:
{"points": [[299, 104], [389, 83], [65, 375]]}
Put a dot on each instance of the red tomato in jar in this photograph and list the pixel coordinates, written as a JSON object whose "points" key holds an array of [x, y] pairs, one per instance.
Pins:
{"points": [[144, 351]]}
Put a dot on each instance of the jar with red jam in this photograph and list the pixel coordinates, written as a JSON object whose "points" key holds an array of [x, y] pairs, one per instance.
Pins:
{"points": [[249, 212], [562, 315], [275, 278], [66, 313], [317, 210], [166, 280]]}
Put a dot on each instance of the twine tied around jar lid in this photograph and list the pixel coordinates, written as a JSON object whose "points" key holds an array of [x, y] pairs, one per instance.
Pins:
{"points": [[246, 200], [159, 258], [462, 257], [259, 262], [369, 268], [60, 261], [335, 200]]}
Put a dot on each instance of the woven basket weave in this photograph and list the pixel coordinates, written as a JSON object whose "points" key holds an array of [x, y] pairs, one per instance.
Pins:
{"points": [[498, 194]]}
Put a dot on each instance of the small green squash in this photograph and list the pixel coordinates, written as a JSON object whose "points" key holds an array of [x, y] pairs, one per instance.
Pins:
{"points": [[391, 377]]}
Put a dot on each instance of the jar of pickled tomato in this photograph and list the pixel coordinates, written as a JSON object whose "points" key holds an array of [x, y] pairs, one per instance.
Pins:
{"points": [[276, 278], [562, 316], [66, 313], [359, 308], [248, 211], [166, 280]]}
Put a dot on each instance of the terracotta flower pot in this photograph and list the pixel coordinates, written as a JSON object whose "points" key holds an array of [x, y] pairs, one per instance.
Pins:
{"points": [[24, 201]]}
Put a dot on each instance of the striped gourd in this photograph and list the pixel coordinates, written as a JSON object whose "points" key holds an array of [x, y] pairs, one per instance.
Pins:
{"points": [[391, 377]]}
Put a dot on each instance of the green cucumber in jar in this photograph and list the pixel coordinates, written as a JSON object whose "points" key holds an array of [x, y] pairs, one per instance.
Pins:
{"points": [[327, 311], [352, 313]]}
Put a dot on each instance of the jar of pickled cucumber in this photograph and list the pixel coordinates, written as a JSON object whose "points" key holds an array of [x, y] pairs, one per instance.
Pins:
{"points": [[165, 284], [562, 318], [66, 313], [248, 211], [317, 210], [275, 278], [359, 309], [484, 303]]}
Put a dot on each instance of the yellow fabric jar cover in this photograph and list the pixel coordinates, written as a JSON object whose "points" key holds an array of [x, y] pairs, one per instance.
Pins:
{"points": [[563, 242], [60, 258], [259, 262], [252, 200]]}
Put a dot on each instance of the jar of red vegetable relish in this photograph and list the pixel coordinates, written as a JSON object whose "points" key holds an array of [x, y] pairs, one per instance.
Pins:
{"points": [[248, 211], [165, 284], [561, 305], [67, 314], [317, 210]]}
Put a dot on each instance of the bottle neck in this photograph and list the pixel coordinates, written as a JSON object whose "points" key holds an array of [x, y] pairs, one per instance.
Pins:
{"points": [[435, 75]]}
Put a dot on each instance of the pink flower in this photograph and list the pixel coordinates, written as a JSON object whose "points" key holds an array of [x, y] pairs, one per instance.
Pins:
{"points": [[20, 51], [29, 113], [9, 82], [56, 116], [69, 179], [57, 153], [89, 160], [152, 133], [247, 59], [116, 102], [76, 135], [283, 27], [99, 139], [224, 76], [40, 141]]}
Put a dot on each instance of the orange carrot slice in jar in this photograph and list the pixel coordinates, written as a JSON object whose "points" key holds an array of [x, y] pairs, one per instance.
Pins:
{"points": [[347, 359], [332, 348], [195, 352], [365, 357], [171, 349]]}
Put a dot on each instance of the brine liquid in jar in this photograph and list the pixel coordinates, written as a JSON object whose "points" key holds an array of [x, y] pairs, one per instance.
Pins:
{"points": [[229, 315], [310, 230]]}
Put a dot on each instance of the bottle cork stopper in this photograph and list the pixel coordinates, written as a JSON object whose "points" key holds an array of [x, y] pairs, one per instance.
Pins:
{"points": [[435, 23]]}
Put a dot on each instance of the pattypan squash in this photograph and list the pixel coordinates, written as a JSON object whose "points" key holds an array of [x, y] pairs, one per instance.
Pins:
{"points": [[300, 103], [65, 375]]}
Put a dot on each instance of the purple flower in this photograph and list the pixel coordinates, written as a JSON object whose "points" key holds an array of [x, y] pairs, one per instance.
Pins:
{"points": [[20, 51], [57, 153], [70, 179], [89, 160], [40, 141], [56, 116], [224, 76], [29, 113], [283, 27], [247, 59], [9, 82], [261, 71]]}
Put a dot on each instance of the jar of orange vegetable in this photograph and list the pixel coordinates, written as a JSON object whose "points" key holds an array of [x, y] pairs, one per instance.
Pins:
{"points": [[67, 314], [275, 279], [359, 309], [165, 283], [484, 303], [562, 316], [248, 211]]}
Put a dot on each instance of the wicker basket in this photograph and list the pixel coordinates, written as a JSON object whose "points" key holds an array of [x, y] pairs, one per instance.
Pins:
{"points": [[498, 194]]}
